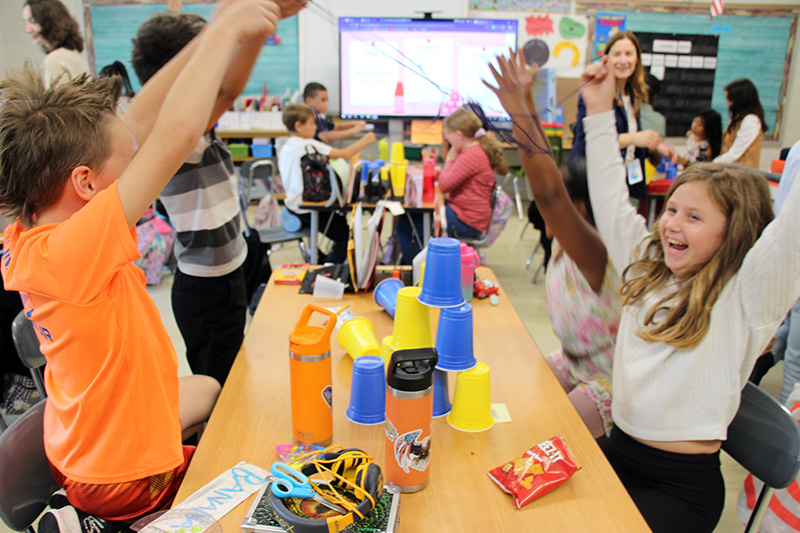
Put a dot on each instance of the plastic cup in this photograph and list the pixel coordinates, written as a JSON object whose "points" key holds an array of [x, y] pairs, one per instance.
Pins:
{"points": [[398, 152], [472, 401], [385, 294], [399, 180], [441, 397], [386, 348], [412, 321], [454, 339], [325, 287], [357, 336], [441, 283], [367, 391]]}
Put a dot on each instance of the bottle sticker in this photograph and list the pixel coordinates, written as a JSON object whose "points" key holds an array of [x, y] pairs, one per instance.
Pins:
{"points": [[327, 396], [410, 452]]}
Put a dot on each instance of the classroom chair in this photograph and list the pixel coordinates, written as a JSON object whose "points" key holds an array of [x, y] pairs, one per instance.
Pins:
{"points": [[257, 179], [765, 439], [501, 212], [27, 481], [275, 234], [27, 345]]}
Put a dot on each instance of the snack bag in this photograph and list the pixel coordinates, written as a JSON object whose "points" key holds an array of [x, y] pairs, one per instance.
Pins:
{"points": [[540, 469]]}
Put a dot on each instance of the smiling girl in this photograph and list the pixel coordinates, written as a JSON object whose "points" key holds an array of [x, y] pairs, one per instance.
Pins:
{"points": [[703, 293], [51, 26], [625, 62]]}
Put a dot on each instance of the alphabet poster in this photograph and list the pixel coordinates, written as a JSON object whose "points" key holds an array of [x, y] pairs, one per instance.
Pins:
{"points": [[552, 41]]}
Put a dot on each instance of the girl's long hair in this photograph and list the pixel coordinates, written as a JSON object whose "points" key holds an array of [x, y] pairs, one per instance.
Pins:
{"points": [[682, 317], [468, 124], [635, 85], [743, 97], [712, 124]]}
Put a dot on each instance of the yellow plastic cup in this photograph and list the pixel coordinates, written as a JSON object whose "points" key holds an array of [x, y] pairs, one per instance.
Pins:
{"points": [[412, 321], [398, 153], [383, 149], [399, 179], [357, 336], [472, 400], [386, 348]]}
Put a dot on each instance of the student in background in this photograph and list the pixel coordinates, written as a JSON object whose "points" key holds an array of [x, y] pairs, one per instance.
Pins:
{"points": [[636, 143], [652, 119], [77, 177], [118, 69], [703, 292], [300, 121], [209, 299], [741, 142], [467, 179], [703, 141], [315, 95], [51, 26]]}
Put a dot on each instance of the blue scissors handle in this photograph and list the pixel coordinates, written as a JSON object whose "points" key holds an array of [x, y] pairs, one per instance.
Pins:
{"points": [[290, 482]]}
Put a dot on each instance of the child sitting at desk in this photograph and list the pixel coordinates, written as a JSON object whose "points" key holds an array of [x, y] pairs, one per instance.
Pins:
{"points": [[77, 177], [299, 120], [315, 95], [468, 179]]}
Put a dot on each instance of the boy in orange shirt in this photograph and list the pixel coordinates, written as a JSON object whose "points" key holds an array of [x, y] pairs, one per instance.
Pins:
{"points": [[77, 177]]}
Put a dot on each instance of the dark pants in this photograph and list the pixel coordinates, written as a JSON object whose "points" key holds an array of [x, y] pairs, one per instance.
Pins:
{"points": [[338, 232], [211, 314], [675, 492]]}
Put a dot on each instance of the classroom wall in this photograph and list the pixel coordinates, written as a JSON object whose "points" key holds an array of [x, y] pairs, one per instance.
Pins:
{"points": [[320, 47]]}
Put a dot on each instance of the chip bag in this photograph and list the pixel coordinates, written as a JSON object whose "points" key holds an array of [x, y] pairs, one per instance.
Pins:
{"points": [[540, 469]]}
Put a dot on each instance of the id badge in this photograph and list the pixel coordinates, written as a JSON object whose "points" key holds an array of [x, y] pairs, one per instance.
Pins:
{"points": [[634, 172]]}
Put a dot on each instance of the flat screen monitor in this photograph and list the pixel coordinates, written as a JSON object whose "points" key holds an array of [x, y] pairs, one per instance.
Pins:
{"points": [[396, 67]]}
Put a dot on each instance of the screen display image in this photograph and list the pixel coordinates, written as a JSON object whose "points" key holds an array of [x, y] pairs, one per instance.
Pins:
{"points": [[391, 67]]}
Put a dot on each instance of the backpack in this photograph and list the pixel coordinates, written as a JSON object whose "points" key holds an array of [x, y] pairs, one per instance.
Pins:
{"points": [[316, 180], [500, 214]]}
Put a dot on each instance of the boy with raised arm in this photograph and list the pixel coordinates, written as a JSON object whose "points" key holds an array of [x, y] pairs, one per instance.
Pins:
{"points": [[77, 177]]}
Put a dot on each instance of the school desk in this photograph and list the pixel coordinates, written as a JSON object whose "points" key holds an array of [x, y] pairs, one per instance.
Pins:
{"points": [[253, 416], [426, 209]]}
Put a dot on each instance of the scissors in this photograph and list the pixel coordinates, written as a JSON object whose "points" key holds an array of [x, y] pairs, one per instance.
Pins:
{"points": [[291, 482]]}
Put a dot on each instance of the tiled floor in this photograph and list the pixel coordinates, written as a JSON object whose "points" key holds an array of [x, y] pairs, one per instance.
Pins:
{"points": [[507, 258]]}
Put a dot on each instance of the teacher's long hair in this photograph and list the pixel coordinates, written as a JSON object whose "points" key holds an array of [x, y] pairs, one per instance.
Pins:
{"points": [[636, 84]]}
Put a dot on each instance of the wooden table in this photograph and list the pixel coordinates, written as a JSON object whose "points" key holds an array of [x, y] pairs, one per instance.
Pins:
{"points": [[253, 415]]}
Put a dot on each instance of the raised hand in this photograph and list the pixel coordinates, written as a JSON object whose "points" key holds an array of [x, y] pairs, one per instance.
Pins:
{"points": [[512, 91], [598, 87], [250, 18]]}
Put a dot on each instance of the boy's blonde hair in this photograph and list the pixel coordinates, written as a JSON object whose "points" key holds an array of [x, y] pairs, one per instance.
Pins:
{"points": [[743, 197], [46, 133], [295, 113], [468, 124]]}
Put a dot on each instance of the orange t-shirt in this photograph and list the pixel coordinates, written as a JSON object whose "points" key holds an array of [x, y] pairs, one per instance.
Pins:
{"points": [[112, 373]]}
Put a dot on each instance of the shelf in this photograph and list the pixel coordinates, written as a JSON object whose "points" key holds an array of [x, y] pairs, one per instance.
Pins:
{"points": [[229, 134]]}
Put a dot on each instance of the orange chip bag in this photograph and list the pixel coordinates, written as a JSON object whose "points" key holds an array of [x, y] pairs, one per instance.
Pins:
{"points": [[540, 469]]}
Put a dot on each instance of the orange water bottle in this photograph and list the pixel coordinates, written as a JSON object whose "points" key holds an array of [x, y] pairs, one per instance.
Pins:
{"points": [[409, 409], [310, 369]]}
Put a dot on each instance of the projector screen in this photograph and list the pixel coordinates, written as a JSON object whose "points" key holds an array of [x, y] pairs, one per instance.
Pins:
{"points": [[392, 67]]}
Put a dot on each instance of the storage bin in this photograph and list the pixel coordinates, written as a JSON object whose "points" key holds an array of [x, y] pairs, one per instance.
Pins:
{"points": [[239, 150], [261, 150]]}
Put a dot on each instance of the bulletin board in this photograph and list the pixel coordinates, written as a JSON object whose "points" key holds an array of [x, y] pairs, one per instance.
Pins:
{"points": [[749, 46], [110, 26], [686, 65]]}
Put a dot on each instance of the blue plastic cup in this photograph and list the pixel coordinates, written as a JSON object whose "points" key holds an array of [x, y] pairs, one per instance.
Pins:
{"points": [[367, 391], [441, 283], [386, 294], [454, 339], [441, 397]]}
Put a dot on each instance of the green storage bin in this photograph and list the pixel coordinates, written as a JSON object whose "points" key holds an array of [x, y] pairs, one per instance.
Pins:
{"points": [[239, 150]]}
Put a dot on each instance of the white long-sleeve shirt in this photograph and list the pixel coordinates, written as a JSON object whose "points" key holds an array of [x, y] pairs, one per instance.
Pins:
{"points": [[748, 132], [662, 393]]}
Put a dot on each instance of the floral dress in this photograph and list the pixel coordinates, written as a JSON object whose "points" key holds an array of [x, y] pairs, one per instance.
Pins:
{"points": [[586, 323]]}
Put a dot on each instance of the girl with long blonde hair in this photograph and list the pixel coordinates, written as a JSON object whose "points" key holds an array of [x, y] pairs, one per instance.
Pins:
{"points": [[703, 294]]}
